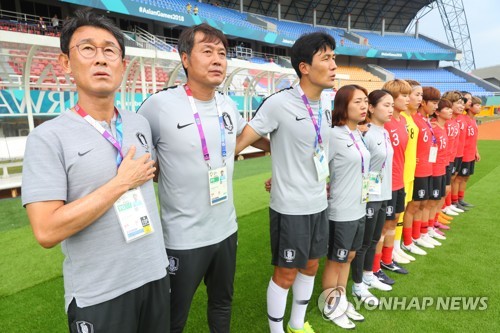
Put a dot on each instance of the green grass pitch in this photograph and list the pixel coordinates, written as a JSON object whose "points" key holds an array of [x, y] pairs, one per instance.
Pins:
{"points": [[31, 289]]}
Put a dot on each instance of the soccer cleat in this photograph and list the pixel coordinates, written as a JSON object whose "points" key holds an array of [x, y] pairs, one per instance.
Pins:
{"points": [[444, 216], [413, 248], [423, 243], [393, 267], [353, 314], [375, 283], [449, 211], [443, 220], [432, 232], [362, 293], [465, 204], [405, 255], [458, 205], [306, 329], [441, 226], [399, 258], [382, 277], [455, 208], [344, 322], [439, 232], [431, 240]]}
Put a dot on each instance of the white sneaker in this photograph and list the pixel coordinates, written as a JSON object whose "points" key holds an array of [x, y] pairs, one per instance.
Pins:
{"points": [[344, 322], [377, 284], [431, 240], [353, 314], [397, 257], [423, 243], [364, 295], [435, 235], [413, 248], [456, 209], [447, 210]]}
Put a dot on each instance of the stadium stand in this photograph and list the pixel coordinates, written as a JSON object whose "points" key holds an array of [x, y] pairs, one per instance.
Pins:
{"points": [[392, 42]]}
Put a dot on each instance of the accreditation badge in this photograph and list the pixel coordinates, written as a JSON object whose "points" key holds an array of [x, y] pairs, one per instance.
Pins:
{"points": [[133, 215], [375, 186], [217, 180], [365, 191], [433, 154], [321, 163]]}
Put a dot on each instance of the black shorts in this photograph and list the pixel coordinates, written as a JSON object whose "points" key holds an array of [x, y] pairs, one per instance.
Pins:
{"points": [[438, 187], [467, 169], [457, 164], [396, 205], [449, 169], [297, 238], [344, 237], [421, 188]]}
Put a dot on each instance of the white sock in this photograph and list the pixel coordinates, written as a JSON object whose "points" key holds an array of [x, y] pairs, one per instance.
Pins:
{"points": [[368, 276], [276, 305], [397, 244], [302, 291]]}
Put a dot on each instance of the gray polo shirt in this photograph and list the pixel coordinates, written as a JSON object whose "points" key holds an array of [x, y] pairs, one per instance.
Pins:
{"points": [[374, 140], [296, 189], [189, 221], [66, 159], [346, 179]]}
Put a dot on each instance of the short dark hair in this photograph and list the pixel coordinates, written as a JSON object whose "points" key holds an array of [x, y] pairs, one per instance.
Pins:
{"points": [[430, 94], [444, 103], [375, 97], [307, 46], [86, 17], [342, 99], [211, 34]]}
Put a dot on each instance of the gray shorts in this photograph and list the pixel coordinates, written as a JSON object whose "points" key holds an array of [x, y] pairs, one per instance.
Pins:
{"points": [[344, 237], [295, 239]]}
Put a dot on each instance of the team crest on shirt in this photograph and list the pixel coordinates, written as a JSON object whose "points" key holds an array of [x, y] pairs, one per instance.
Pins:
{"points": [[289, 255], [421, 193], [173, 265], [84, 327], [389, 210], [464, 171], [142, 140], [342, 254], [228, 123], [435, 193], [370, 212]]}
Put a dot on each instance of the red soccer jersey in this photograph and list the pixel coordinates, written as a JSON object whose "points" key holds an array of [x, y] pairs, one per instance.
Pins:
{"points": [[399, 139], [424, 144], [442, 160], [470, 149], [452, 129], [462, 122]]}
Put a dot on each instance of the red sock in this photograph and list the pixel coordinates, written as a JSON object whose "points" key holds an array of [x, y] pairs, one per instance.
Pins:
{"points": [[376, 262], [436, 218], [407, 235], [423, 227], [416, 229], [454, 198], [387, 254], [430, 224], [448, 199], [461, 195]]}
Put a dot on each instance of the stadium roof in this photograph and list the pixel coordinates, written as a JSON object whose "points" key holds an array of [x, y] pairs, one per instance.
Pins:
{"points": [[365, 14]]}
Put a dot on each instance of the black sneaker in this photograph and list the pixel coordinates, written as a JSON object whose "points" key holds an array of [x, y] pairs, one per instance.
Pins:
{"points": [[465, 204], [382, 277], [394, 267], [459, 206]]}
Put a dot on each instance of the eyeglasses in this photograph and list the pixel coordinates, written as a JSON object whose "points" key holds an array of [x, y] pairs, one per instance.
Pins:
{"points": [[89, 51]]}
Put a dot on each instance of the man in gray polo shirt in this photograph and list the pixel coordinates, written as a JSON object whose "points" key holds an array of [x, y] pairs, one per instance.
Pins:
{"points": [[87, 184], [299, 122], [194, 131]]}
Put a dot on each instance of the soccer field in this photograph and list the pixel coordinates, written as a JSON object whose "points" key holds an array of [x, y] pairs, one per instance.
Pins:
{"points": [[31, 289]]}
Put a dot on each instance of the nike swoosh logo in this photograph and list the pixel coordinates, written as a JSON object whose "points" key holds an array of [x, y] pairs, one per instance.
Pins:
{"points": [[392, 131], [85, 152], [179, 126], [350, 145], [299, 119], [379, 143]]}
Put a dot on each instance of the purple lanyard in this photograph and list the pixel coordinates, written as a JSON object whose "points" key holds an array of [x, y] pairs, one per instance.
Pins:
{"points": [[311, 114], [197, 119], [434, 141], [386, 153], [117, 143], [357, 147]]}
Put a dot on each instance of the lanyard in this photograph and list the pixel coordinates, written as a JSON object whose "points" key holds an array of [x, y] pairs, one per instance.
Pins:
{"points": [[357, 147], [434, 141], [117, 143], [386, 152], [317, 125], [197, 119]]}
